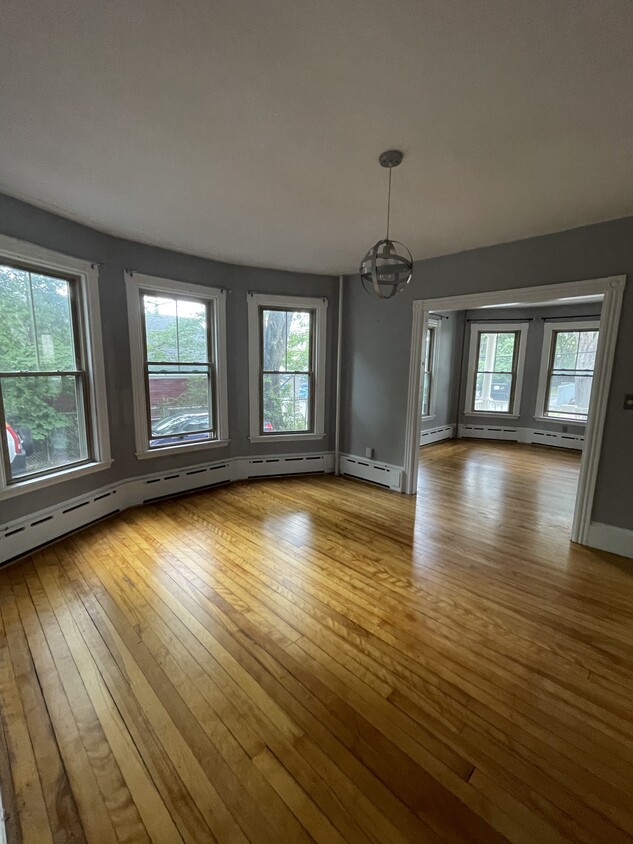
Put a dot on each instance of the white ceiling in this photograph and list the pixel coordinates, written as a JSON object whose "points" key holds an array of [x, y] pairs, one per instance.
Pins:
{"points": [[249, 131]]}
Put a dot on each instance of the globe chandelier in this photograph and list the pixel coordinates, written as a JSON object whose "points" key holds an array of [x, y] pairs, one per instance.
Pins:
{"points": [[387, 268]]}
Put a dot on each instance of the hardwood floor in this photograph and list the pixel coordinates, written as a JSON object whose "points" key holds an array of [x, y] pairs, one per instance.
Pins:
{"points": [[318, 659]]}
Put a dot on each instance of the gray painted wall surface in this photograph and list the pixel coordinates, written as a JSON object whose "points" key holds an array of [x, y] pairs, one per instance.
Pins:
{"points": [[17, 219], [378, 338], [532, 368], [445, 382]]}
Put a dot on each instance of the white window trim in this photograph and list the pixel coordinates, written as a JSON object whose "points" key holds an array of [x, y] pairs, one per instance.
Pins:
{"points": [[135, 283], [433, 322], [87, 274], [476, 327], [255, 302], [548, 333]]}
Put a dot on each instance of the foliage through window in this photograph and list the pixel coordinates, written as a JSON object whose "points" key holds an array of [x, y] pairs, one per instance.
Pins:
{"points": [[43, 387], [572, 360], [179, 369], [494, 376], [287, 370]]}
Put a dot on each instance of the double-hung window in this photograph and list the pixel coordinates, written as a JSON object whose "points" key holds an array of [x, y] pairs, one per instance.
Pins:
{"points": [[53, 419], [495, 368], [428, 367], [177, 336], [286, 367], [567, 367]]}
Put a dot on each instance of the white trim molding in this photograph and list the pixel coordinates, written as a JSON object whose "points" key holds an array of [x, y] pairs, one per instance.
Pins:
{"points": [[303, 303], [610, 538], [23, 535], [612, 290], [87, 275], [136, 284]]}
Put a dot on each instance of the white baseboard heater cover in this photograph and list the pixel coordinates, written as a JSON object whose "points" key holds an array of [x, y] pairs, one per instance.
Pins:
{"points": [[383, 474], [522, 435], [434, 435], [23, 535]]}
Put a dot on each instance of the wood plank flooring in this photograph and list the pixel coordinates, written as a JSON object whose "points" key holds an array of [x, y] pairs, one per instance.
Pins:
{"points": [[315, 659]]}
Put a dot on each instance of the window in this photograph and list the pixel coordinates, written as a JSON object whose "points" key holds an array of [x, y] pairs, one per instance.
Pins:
{"points": [[52, 402], [567, 366], [428, 366], [286, 367], [495, 368], [177, 333]]}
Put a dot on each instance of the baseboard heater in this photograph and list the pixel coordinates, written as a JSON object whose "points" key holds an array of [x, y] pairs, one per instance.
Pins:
{"points": [[523, 435], [382, 474], [434, 435], [24, 535]]}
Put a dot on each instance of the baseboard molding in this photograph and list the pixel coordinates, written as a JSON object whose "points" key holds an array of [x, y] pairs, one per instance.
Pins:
{"points": [[512, 433], [434, 435], [23, 535], [609, 538], [383, 474]]}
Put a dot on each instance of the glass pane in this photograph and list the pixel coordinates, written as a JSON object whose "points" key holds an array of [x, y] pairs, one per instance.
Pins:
{"points": [[45, 422], [566, 350], [426, 391], [175, 329], [569, 396], [496, 351], [179, 406], [51, 304], [286, 340], [428, 351], [35, 322], [286, 403], [492, 392]]}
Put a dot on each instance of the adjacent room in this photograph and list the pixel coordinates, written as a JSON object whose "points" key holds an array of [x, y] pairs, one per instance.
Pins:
{"points": [[316, 393]]}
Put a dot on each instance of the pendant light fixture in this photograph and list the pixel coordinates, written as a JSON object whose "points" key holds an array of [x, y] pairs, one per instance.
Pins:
{"points": [[387, 268]]}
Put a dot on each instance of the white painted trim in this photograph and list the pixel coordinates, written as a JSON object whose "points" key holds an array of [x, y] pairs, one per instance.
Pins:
{"points": [[87, 274], [434, 435], [546, 355], [383, 474], [21, 536], [613, 290], [478, 328], [136, 283], [616, 540], [319, 306]]}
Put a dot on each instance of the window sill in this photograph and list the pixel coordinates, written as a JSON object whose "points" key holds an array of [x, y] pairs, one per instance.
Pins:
{"points": [[494, 413], [560, 421], [22, 487], [185, 448], [428, 418], [265, 438]]}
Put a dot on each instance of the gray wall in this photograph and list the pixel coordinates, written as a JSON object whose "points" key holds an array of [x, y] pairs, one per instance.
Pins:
{"points": [[445, 382], [23, 221], [378, 337], [533, 353]]}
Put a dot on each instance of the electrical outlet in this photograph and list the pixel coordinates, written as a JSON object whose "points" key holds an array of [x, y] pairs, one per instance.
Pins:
{"points": [[369, 453], [628, 401]]}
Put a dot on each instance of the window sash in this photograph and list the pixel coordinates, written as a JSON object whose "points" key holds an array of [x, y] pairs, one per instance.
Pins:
{"points": [[553, 371], [80, 373], [309, 373], [512, 372], [427, 374], [207, 365]]}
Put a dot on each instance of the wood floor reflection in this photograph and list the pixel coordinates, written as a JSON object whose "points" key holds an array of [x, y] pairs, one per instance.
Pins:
{"points": [[316, 659]]}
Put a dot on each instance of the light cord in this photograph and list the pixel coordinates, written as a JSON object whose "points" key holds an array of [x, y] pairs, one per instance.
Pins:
{"points": [[389, 203]]}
